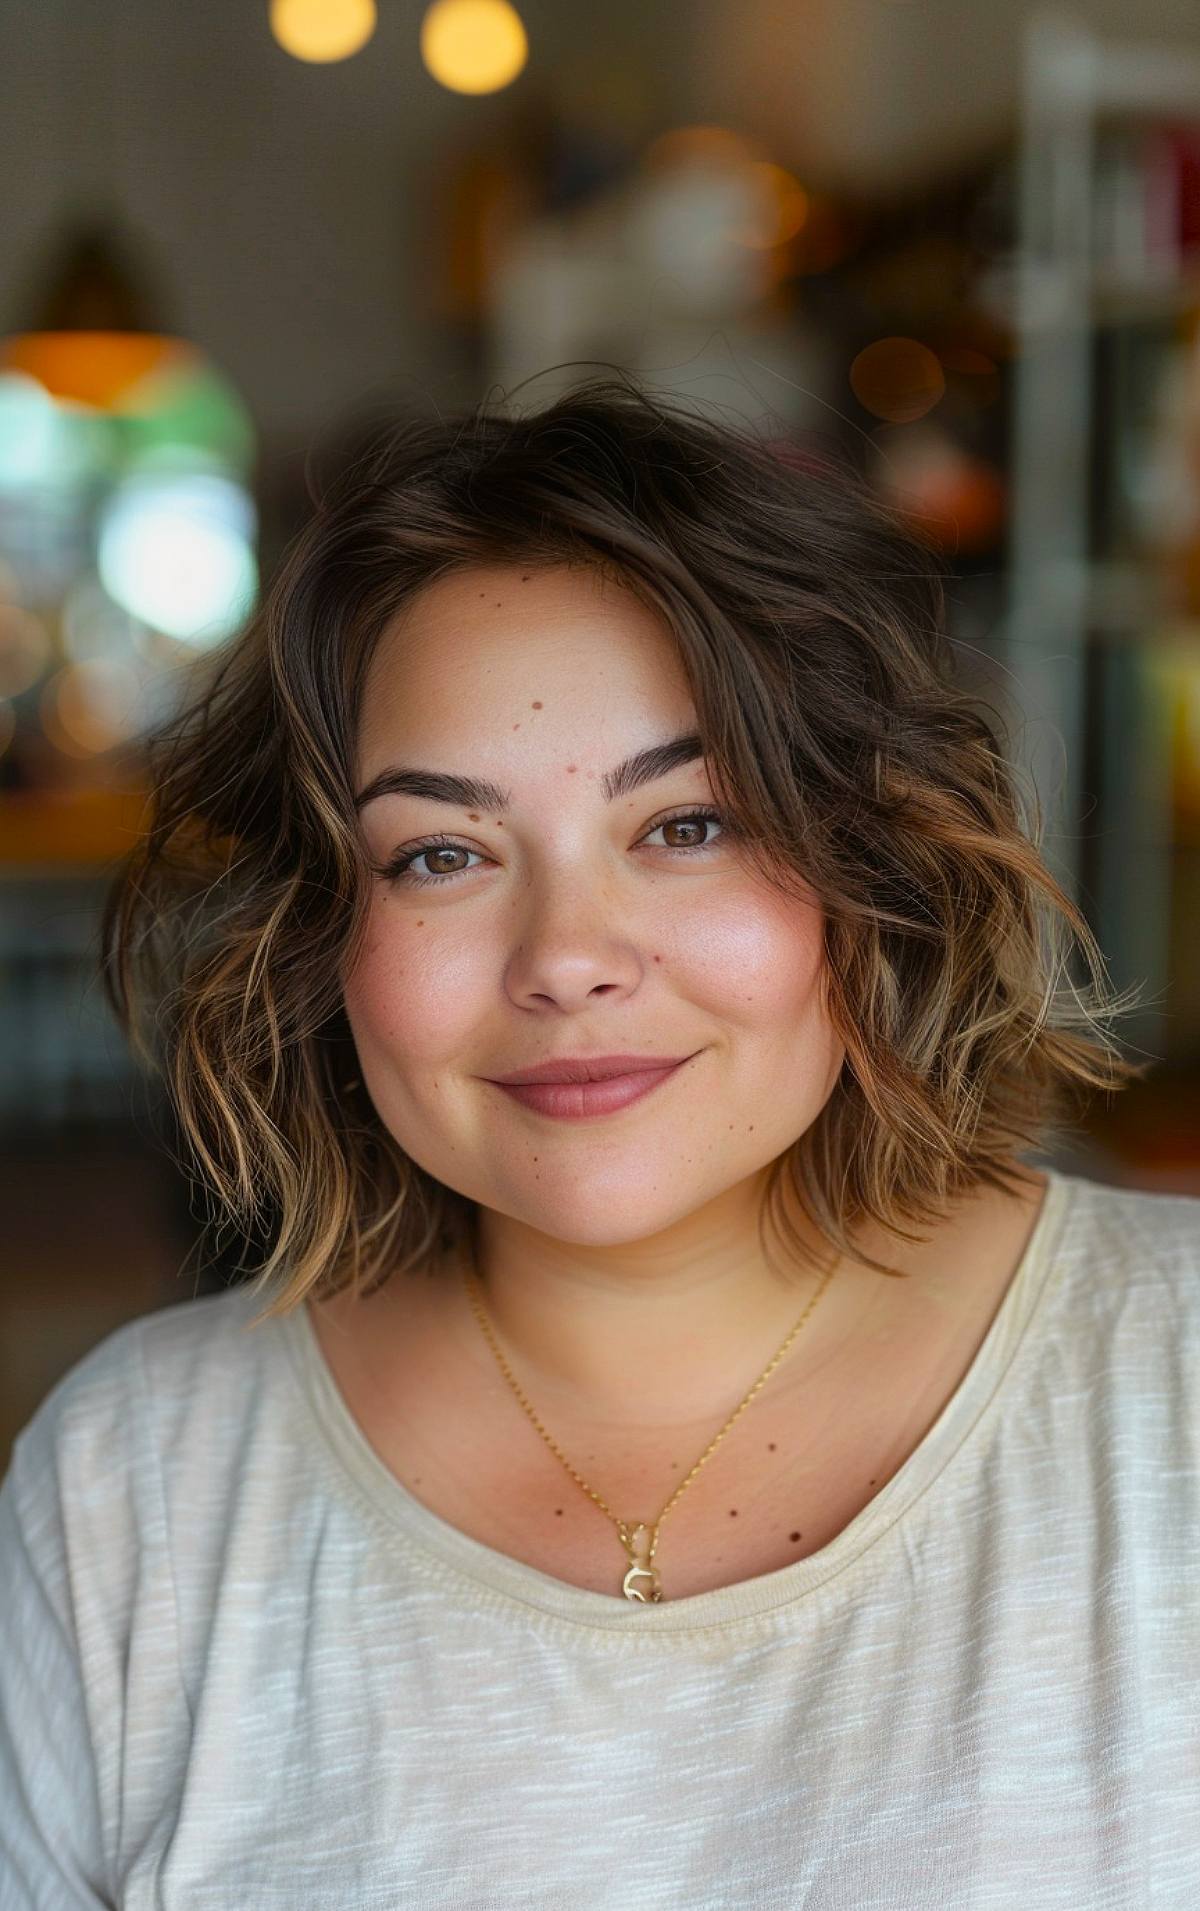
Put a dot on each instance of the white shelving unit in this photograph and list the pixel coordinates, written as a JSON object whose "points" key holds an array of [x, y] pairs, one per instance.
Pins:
{"points": [[1063, 602]]}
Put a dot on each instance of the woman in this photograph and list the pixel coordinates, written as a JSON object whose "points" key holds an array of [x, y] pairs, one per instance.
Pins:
{"points": [[724, 1472]]}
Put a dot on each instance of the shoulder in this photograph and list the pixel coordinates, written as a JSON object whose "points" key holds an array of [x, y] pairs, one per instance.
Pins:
{"points": [[131, 1462], [147, 1362], [1125, 1285], [90, 1453], [90, 1526], [1134, 1240]]}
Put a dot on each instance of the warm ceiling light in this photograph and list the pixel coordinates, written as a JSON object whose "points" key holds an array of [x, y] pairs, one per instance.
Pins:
{"points": [[898, 379], [473, 46], [322, 30], [88, 368], [703, 144], [784, 206]]}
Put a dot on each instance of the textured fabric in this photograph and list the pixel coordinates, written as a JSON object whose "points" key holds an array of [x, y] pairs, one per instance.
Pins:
{"points": [[242, 1667]]}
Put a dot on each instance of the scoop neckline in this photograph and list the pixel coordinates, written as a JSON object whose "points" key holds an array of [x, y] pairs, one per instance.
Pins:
{"points": [[513, 1580]]}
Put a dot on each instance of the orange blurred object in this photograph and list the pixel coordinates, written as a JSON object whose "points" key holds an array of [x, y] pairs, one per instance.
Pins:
{"points": [[86, 827], [952, 496], [898, 379], [90, 368]]}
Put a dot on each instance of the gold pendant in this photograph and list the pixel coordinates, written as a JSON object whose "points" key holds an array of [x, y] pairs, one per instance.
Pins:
{"points": [[640, 1569]]}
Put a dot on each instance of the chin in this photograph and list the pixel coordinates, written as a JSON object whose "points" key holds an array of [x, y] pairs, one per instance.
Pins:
{"points": [[598, 1232], [596, 1210]]}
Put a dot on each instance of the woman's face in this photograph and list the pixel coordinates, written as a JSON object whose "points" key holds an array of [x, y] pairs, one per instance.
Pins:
{"points": [[564, 923]]}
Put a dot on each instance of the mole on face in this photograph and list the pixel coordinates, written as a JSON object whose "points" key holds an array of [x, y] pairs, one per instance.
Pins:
{"points": [[535, 706]]}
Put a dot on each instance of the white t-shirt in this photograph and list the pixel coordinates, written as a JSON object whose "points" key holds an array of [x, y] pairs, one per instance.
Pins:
{"points": [[241, 1666]]}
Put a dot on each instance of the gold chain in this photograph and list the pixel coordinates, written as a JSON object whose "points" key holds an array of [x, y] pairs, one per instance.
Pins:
{"points": [[641, 1557]]}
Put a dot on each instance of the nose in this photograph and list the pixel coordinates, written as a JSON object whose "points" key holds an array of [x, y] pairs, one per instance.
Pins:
{"points": [[570, 949]]}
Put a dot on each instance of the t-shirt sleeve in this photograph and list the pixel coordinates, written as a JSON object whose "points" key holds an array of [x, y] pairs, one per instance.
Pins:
{"points": [[89, 1666], [51, 1845]]}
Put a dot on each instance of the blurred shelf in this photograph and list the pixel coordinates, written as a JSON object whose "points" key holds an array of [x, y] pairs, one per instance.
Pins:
{"points": [[1099, 730], [1118, 299], [54, 832]]}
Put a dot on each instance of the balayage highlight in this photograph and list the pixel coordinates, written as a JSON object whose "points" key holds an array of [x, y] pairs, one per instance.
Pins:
{"points": [[809, 622]]}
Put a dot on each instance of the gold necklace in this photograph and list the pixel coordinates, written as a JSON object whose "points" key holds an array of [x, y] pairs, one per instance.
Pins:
{"points": [[640, 1546]]}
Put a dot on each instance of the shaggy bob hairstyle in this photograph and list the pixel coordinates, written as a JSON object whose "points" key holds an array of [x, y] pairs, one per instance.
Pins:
{"points": [[808, 619]]}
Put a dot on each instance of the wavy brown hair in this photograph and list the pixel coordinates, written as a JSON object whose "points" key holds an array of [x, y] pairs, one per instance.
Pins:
{"points": [[809, 621]]}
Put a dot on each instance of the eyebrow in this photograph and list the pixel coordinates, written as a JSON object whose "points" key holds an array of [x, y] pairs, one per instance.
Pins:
{"points": [[477, 793]]}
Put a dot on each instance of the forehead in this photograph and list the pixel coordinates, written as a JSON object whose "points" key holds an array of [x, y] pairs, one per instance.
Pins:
{"points": [[486, 648], [480, 606]]}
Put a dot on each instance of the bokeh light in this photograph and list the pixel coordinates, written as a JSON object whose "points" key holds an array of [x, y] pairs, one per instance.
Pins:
{"points": [[783, 203], [128, 532], [44, 442], [88, 709], [956, 498], [321, 31], [178, 552], [473, 46], [704, 217], [92, 625], [25, 650], [702, 144], [96, 369], [76, 404], [976, 375], [898, 379], [683, 231]]}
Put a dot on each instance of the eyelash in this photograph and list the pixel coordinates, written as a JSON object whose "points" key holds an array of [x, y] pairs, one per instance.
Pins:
{"points": [[398, 870]]}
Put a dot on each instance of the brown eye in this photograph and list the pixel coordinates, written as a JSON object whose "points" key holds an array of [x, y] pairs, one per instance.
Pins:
{"points": [[695, 827], [685, 823], [436, 866], [402, 867]]}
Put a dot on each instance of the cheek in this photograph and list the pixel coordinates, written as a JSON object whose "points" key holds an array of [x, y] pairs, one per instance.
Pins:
{"points": [[411, 993], [757, 958], [759, 966]]}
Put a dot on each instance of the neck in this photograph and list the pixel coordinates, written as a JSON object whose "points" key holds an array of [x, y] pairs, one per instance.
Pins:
{"points": [[655, 1331]]}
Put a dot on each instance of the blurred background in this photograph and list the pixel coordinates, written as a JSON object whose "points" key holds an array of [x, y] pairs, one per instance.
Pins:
{"points": [[956, 242]]}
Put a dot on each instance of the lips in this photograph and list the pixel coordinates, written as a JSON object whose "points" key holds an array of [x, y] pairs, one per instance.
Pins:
{"points": [[572, 1101], [587, 1068]]}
